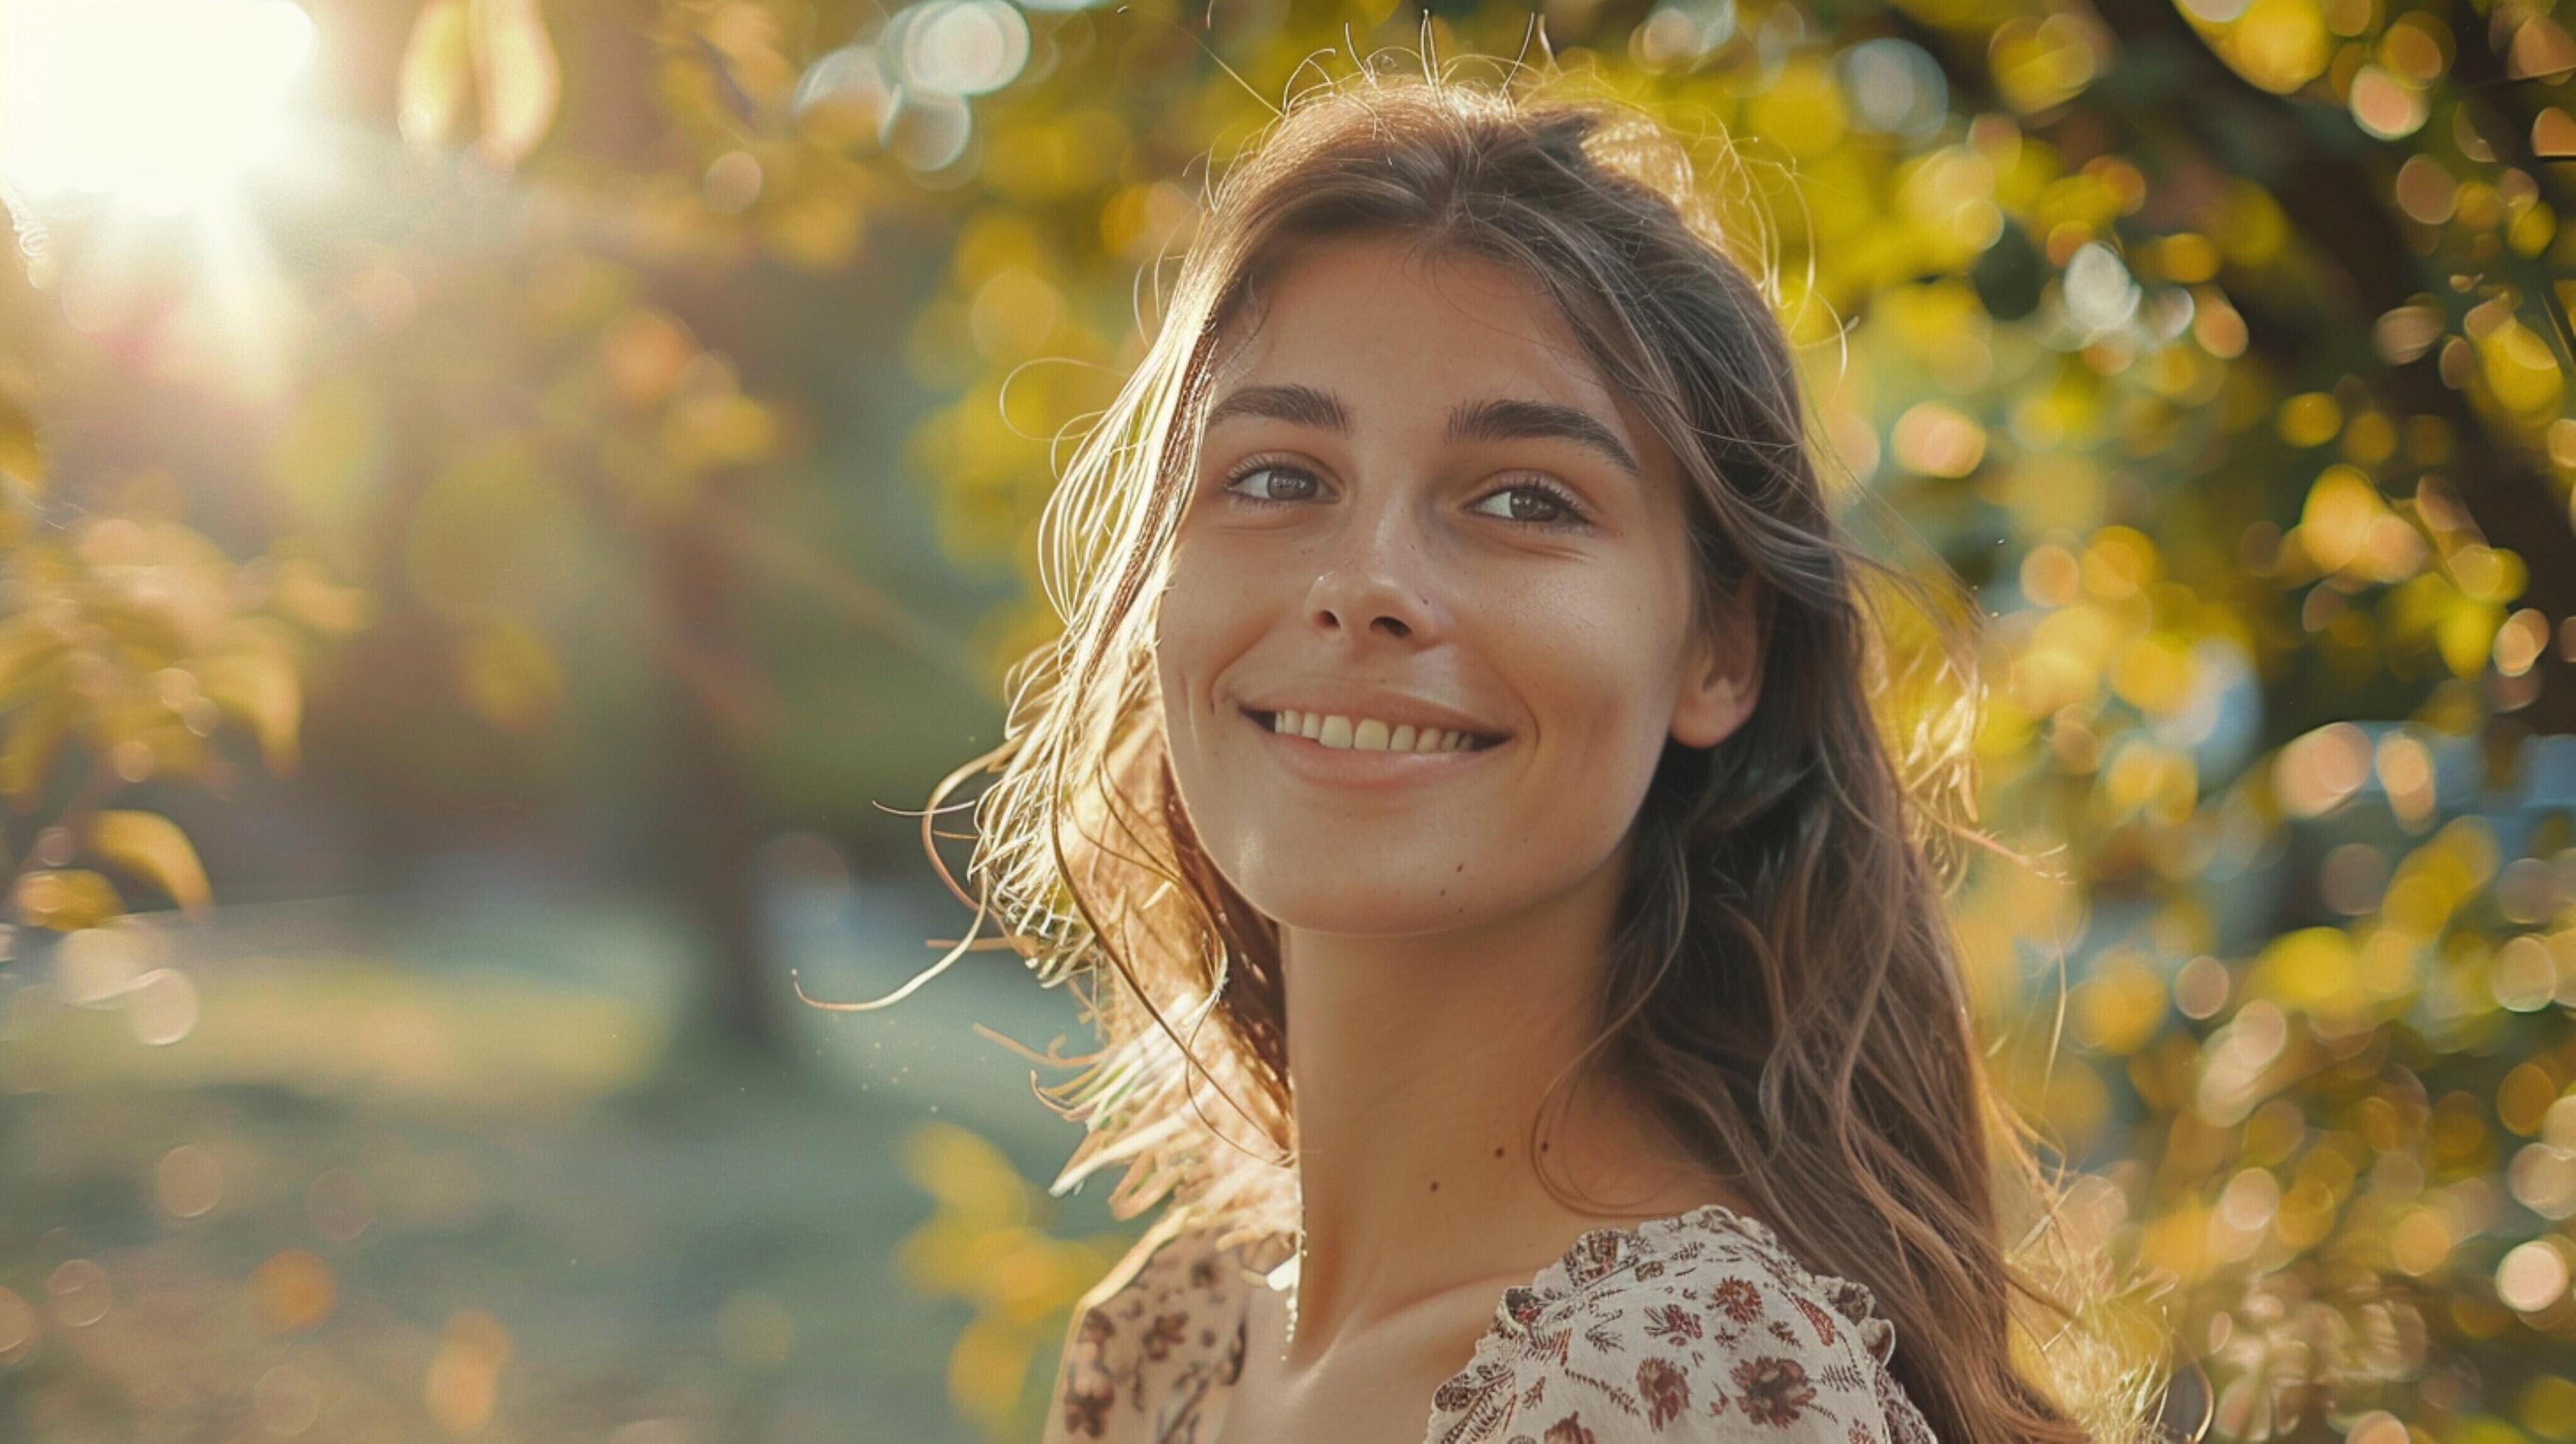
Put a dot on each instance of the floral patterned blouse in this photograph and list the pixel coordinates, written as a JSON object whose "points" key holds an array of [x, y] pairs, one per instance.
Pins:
{"points": [[1697, 1327]]}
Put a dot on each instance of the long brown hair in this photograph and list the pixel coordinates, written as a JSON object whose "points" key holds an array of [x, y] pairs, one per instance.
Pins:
{"points": [[1785, 987]]}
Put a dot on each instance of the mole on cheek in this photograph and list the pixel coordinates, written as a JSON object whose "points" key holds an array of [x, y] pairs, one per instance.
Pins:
{"points": [[1435, 1185]]}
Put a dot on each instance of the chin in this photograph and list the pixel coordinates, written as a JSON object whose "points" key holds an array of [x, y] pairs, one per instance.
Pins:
{"points": [[1369, 907]]}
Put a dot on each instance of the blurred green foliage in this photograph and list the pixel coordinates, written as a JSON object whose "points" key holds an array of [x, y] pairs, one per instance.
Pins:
{"points": [[2222, 344]]}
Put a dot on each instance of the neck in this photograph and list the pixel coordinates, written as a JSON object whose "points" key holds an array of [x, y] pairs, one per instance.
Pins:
{"points": [[1418, 1066]]}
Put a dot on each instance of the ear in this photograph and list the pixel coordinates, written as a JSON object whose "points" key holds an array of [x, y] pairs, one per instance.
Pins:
{"points": [[1722, 674]]}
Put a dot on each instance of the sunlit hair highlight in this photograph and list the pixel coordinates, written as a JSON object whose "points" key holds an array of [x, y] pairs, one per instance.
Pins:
{"points": [[1818, 1053]]}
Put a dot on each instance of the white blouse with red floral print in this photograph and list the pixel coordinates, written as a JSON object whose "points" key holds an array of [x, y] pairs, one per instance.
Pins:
{"points": [[1697, 1327]]}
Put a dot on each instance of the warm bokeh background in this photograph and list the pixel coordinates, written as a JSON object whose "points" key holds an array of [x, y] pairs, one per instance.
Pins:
{"points": [[505, 499]]}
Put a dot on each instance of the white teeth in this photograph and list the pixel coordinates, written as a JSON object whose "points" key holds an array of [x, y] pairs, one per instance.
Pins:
{"points": [[1367, 734]]}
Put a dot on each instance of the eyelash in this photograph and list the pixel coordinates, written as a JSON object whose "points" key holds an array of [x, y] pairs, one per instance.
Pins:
{"points": [[1574, 518]]}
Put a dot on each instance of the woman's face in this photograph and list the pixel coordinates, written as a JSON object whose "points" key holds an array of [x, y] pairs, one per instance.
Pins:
{"points": [[1417, 504]]}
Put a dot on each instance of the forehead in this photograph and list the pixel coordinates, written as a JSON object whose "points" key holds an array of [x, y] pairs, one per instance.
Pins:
{"points": [[1408, 334]]}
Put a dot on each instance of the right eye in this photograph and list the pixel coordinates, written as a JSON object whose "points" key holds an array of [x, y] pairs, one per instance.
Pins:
{"points": [[1300, 485]]}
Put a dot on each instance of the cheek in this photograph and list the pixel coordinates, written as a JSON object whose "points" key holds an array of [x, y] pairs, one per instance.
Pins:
{"points": [[1587, 662], [1205, 619]]}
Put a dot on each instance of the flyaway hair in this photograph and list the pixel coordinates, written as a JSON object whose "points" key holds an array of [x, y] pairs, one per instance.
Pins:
{"points": [[1786, 986]]}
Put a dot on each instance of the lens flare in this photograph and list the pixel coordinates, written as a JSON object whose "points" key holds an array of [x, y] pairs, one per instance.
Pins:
{"points": [[155, 104]]}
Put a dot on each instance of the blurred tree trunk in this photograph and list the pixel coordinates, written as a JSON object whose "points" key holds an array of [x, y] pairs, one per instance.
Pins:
{"points": [[714, 693]]}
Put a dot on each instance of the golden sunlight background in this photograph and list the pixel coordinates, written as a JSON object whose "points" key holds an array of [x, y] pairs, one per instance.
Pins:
{"points": [[506, 498]]}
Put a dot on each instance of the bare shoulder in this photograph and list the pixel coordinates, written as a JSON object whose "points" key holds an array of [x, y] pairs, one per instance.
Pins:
{"points": [[1700, 1328]]}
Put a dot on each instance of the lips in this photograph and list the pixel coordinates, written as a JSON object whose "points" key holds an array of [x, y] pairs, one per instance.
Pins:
{"points": [[1361, 772]]}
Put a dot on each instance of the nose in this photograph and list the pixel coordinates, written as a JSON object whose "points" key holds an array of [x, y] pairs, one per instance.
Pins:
{"points": [[1372, 578]]}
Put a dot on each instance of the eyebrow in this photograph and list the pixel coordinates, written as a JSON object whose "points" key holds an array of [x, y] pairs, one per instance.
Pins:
{"points": [[1494, 418]]}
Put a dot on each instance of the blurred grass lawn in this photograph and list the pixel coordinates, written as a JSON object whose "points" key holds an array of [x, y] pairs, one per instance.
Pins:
{"points": [[450, 1170]]}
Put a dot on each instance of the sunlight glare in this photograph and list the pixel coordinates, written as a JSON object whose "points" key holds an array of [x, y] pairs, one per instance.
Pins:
{"points": [[156, 104]]}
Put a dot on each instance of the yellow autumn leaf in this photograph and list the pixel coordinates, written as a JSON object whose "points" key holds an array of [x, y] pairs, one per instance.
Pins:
{"points": [[724, 429], [35, 739], [66, 900], [2466, 635], [966, 1172], [510, 676], [258, 686], [2304, 968], [2278, 44], [436, 66], [28, 643], [22, 452], [153, 848], [306, 591], [516, 75], [2521, 370]]}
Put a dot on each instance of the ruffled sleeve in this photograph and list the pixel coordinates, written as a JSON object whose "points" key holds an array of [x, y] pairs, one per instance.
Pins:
{"points": [[1681, 1333]]}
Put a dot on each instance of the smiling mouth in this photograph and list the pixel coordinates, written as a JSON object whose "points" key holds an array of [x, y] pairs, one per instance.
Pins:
{"points": [[1312, 732]]}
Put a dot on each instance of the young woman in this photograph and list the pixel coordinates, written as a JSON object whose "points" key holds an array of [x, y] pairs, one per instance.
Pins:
{"points": [[1517, 952]]}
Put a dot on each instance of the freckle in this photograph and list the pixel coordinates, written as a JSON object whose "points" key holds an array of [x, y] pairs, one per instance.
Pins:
{"points": [[1544, 1147], [1498, 1153], [1435, 1185]]}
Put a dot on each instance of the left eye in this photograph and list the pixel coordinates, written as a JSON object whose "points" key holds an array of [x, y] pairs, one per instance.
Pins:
{"points": [[1551, 507]]}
